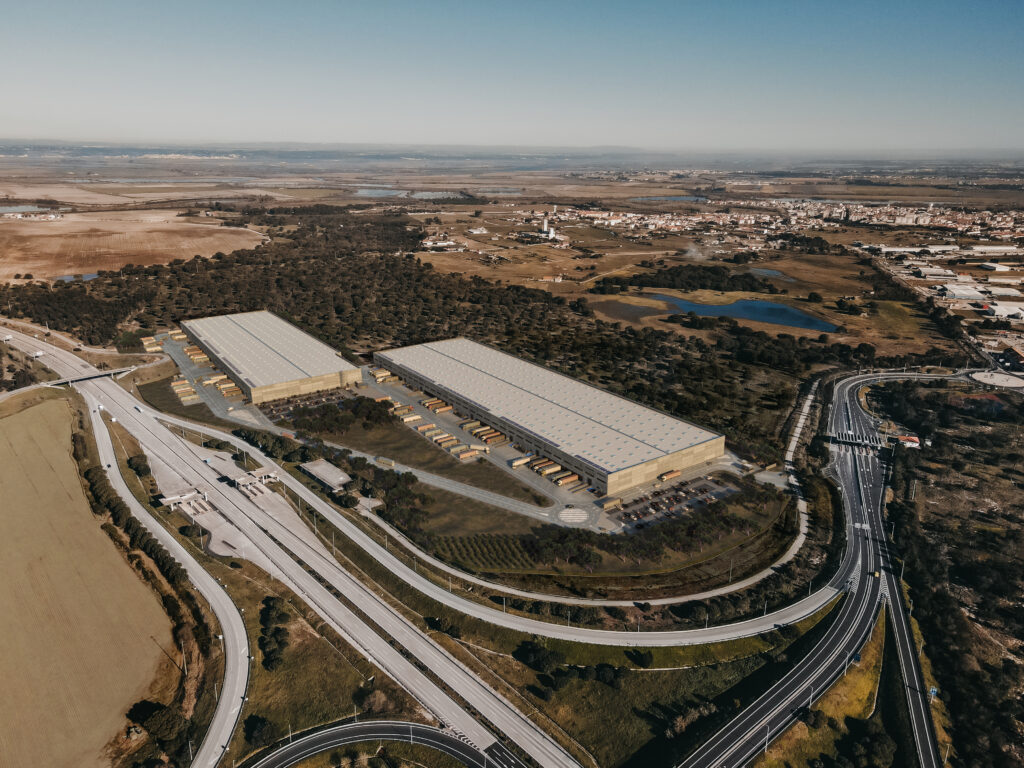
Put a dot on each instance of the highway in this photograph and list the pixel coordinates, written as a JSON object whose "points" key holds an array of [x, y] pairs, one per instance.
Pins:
{"points": [[235, 641], [856, 465], [292, 553], [858, 469]]}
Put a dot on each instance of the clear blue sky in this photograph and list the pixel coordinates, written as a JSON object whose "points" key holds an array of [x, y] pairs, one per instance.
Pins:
{"points": [[755, 75]]}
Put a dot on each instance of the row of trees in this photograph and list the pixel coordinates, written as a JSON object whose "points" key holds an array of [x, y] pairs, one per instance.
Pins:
{"points": [[687, 277]]}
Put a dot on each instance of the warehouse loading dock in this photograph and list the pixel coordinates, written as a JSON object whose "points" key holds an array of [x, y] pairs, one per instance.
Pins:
{"points": [[610, 443]]}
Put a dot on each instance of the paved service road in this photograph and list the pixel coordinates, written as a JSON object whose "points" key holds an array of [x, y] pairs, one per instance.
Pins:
{"points": [[747, 628], [287, 755], [858, 469]]}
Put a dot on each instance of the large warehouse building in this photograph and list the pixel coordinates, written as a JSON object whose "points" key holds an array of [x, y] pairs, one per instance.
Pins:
{"points": [[613, 443], [268, 358]]}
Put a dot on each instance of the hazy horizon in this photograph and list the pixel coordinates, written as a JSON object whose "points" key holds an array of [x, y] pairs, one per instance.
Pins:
{"points": [[864, 79]]}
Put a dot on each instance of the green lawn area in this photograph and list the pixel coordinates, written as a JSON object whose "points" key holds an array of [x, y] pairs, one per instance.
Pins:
{"points": [[402, 444], [899, 317]]}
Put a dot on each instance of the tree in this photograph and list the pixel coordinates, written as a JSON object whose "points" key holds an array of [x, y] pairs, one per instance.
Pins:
{"points": [[814, 297], [259, 731]]}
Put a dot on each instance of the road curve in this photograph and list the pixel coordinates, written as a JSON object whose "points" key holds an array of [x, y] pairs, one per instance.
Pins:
{"points": [[291, 753], [736, 630]]}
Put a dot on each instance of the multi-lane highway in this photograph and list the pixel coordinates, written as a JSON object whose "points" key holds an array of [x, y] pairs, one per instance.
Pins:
{"points": [[859, 471], [310, 571]]}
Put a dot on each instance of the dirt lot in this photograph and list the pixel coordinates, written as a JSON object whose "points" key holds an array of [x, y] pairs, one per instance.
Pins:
{"points": [[89, 631], [81, 243]]}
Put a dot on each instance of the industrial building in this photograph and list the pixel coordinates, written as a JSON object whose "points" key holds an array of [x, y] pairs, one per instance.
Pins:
{"points": [[612, 443], [268, 358], [332, 478]]}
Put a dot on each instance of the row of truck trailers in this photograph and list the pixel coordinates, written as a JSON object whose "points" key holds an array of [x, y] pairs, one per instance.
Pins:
{"points": [[461, 450], [555, 472], [487, 437]]}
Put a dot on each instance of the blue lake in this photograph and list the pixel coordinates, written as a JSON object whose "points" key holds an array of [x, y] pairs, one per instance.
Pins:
{"points": [[751, 309], [72, 278]]}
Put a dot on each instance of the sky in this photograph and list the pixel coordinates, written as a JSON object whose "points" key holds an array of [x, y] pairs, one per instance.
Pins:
{"points": [[692, 76]]}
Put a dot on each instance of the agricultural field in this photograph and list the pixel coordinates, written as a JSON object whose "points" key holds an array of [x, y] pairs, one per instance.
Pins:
{"points": [[83, 243], [91, 635]]}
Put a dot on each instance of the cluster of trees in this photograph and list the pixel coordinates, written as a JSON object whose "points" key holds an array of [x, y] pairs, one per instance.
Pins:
{"points": [[553, 673], [275, 446], [167, 728], [139, 465], [338, 418], [554, 543], [687, 277], [791, 241], [259, 731], [13, 375], [273, 639]]}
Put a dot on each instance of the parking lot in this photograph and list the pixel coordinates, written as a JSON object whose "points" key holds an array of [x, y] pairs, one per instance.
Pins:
{"points": [[672, 501]]}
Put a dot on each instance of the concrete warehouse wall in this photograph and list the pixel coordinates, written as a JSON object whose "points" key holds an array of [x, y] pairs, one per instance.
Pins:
{"points": [[643, 474], [302, 386]]}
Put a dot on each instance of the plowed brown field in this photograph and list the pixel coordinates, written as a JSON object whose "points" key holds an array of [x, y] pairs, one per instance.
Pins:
{"points": [[80, 630], [81, 243]]}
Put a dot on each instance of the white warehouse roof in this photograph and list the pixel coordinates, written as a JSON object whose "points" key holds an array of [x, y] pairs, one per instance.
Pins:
{"points": [[583, 421], [262, 349]]}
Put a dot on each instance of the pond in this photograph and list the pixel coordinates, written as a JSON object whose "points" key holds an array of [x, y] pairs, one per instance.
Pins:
{"points": [[751, 309], [762, 272], [671, 198], [28, 209], [72, 278]]}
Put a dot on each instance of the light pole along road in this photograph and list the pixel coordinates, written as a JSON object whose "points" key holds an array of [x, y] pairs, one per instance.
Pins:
{"points": [[860, 474]]}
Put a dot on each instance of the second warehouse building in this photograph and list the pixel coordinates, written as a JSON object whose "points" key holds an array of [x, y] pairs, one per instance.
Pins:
{"points": [[613, 443], [269, 358]]}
